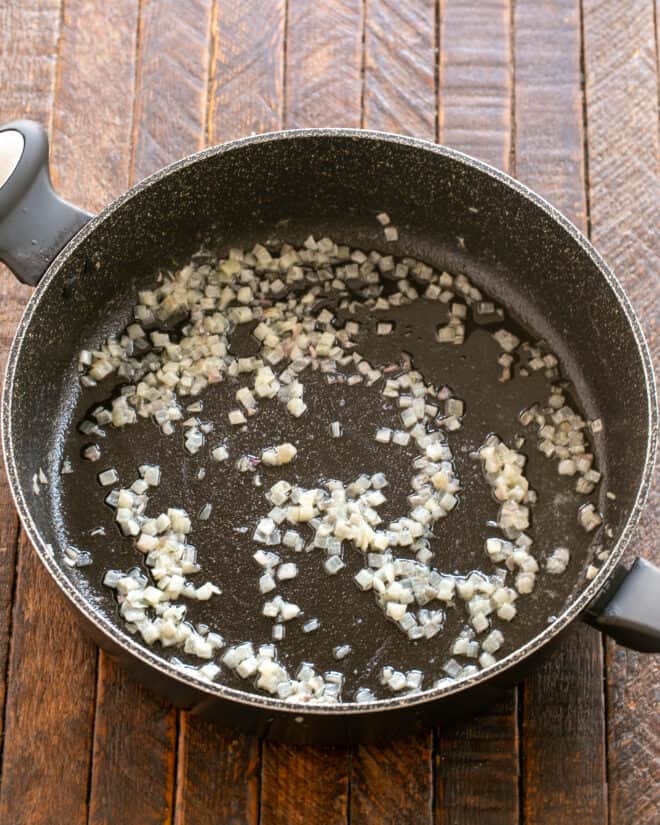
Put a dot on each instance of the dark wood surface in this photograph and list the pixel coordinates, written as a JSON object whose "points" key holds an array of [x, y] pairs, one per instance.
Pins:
{"points": [[562, 705], [561, 93]]}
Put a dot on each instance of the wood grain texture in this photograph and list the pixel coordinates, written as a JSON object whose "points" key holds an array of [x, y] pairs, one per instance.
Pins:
{"points": [[633, 737], [28, 48], [27, 78], [171, 94], [562, 738], [303, 785], [134, 752], [217, 771], [94, 101], [132, 772], [247, 68], [624, 181], [656, 15], [50, 706], [324, 63], [476, 78], [477, 768], [393, 783], [322, 87], [400, 67], [656, 12], [477, 763], [548, 101], [218, 775]]}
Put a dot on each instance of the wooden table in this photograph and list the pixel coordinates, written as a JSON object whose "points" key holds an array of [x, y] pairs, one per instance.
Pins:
{"points": [[562, 94]]}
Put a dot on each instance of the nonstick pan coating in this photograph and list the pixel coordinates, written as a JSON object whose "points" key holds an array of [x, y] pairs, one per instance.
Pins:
{"points": [[456, 215], [225, 542]]}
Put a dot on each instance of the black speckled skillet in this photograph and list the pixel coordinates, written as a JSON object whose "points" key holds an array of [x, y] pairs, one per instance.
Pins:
{"points": [[455, 213]]}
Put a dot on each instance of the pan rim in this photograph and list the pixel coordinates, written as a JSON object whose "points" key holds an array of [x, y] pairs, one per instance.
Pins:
{"points": [[222, 692]]}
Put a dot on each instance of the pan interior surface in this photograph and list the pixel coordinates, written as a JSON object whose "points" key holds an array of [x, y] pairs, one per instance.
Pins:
{"points": [[451, 215]]}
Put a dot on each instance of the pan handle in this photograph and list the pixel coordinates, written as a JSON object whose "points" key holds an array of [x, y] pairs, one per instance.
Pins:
{"points": [[35, 223], [628, 609]]}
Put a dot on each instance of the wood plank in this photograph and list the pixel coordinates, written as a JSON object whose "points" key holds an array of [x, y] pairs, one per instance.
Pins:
{"points": [[27, 76], [303, 784], [549, 153], [324, 63], [28, 49], [633, 734], [400, 64], [50, 706], [218, 775], [93, 107], [622, 93], [134, 751], [247, 69], [169, 121], [622, 111], [218, 770], [134, 735], [562, 735], [323, 87], [171, 88], [58, 709], [562, 738], [393, 782], [656, 12], [477, 769], [476, 78], [477, 763], [32, 788]]}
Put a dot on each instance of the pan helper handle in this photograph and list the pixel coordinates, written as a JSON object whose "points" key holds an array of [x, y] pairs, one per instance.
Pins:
{"points": [[35, 223], [628, 609]]}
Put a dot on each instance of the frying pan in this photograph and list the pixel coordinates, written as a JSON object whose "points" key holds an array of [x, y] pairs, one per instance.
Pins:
{"points": [[454, 212]]}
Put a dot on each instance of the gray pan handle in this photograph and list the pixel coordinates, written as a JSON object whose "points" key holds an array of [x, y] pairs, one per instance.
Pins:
{"points": [[629, 609], [35, 223]]}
